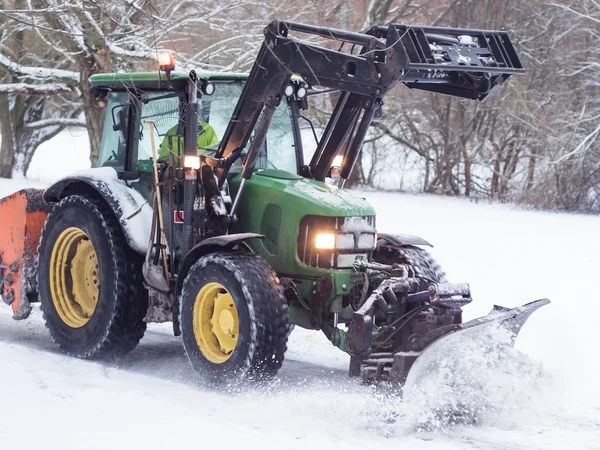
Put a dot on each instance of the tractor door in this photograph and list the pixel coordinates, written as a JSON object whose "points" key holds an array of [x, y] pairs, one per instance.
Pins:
{"points": [[126, 144]]}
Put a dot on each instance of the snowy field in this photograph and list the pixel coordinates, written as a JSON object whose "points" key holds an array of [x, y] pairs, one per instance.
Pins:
{"points": [[549, 397]]}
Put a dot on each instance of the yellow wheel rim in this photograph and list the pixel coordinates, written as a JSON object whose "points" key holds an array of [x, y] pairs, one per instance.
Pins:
{"points": [[215, 323], [74, 277]]}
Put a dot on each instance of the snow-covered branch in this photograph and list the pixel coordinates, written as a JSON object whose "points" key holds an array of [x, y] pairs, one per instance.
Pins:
{"points": [[61, 121], [42, 73], [570, 9], [387, 131], [141, 54], [34, 89], [589, 139]]}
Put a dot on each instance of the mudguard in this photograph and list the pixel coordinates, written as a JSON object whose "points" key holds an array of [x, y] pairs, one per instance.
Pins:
{"points": [[131, 209], [210, 245], [402, 239]]}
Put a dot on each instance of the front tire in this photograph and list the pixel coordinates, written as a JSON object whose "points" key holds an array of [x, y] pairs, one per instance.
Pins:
{"points": [[417, 258], [420, 260], [233, 318], [89, 281]]}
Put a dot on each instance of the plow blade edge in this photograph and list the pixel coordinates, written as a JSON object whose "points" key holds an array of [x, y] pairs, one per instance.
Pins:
{"points": [[409, 365]]}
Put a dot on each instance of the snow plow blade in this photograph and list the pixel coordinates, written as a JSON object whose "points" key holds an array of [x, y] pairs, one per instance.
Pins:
{"points": [[22, 216], [413, 362]]}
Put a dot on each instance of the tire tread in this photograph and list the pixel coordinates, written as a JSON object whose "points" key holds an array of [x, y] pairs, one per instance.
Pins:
{"points": [[262, 288], [127, 325]]}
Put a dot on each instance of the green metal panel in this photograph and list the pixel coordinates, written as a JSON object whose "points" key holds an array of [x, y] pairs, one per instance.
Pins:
{"points": [[145, 77], [271, 222], [297, 197], [159, 79]]}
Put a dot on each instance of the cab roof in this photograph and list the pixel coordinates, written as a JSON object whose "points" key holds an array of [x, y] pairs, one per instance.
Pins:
{"points": [[156, 80]]}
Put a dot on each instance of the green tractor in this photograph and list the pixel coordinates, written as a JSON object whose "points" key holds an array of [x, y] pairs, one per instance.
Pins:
{"points": [[202, 210]]}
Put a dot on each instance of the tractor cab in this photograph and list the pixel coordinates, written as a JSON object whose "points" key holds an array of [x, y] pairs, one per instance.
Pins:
{"points": [[146, 109], [135, 99]]}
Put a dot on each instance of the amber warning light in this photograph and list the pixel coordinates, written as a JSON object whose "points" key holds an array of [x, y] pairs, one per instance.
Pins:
{"points": [[166, 62]]}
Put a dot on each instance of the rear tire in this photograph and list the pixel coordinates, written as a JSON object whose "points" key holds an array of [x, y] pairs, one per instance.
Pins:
{"points": [[254, 316], [82, 248]]}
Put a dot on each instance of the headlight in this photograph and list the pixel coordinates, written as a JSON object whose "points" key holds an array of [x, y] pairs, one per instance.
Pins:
{"points": [[301, 92], [289, 90], [207, 87], [325, 241], [191, 162], [367, 241], [322, 239]]}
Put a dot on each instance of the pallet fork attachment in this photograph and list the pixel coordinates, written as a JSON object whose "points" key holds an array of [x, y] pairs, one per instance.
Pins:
{"points": [[453, 61]]}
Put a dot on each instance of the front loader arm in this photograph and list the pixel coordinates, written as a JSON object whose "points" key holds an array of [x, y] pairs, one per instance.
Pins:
{"points": [[453, 61], [279, 57]]}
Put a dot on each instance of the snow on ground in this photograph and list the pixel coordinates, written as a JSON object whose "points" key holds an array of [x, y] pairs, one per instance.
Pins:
{"points": [[62, 155], [546, 397]]}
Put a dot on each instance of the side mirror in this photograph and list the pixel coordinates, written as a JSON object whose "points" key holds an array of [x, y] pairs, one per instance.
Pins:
{"points": [[121, 125], [98, 94], [121, 117]]}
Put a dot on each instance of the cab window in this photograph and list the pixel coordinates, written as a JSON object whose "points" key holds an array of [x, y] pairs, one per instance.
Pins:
{"points": [[163, 109], [115, 132]]}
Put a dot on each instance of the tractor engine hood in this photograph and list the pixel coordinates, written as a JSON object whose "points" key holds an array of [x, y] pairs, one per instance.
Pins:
{"points": [[308, 196], [274, 204]]}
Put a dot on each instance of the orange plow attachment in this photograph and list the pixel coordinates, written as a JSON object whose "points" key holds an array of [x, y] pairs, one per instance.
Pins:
{"points": [[22, 216]]}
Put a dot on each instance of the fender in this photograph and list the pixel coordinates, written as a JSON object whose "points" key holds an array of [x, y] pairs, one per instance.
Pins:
{"points": [[131, 209], [402, 239], [207, 246]]}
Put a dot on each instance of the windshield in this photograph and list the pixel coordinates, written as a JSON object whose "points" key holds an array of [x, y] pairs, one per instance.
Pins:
{"points": [[279, 151], [214, 112]]}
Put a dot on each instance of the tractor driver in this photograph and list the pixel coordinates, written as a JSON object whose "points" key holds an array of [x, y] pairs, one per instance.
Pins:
{"points": [[207, 137]]}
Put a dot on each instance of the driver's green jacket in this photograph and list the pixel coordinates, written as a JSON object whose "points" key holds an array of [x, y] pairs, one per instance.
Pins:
{"points": [[206, 138]]}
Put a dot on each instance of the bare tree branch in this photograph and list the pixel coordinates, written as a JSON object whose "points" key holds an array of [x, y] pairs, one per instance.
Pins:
{"points": [[34, 89], [41, 73], [61, 121]]}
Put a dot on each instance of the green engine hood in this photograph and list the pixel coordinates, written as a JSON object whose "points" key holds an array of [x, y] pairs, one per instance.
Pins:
{"points": [[274, 202], [309, 197]]}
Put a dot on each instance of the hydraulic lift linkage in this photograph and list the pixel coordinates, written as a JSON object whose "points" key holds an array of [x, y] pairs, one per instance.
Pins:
{"points": [[459, 62]]}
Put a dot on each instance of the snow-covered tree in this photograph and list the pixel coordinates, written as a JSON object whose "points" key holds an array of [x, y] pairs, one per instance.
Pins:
{"points": [[50, 48], [535, 141], [48, 51]]}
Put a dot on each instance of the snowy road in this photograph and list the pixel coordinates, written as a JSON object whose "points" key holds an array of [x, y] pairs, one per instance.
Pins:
{"points": [[152, 400]]}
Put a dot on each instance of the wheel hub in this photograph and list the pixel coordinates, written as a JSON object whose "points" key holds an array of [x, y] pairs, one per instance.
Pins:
{"points": [[216, 322], [74, 277]]}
